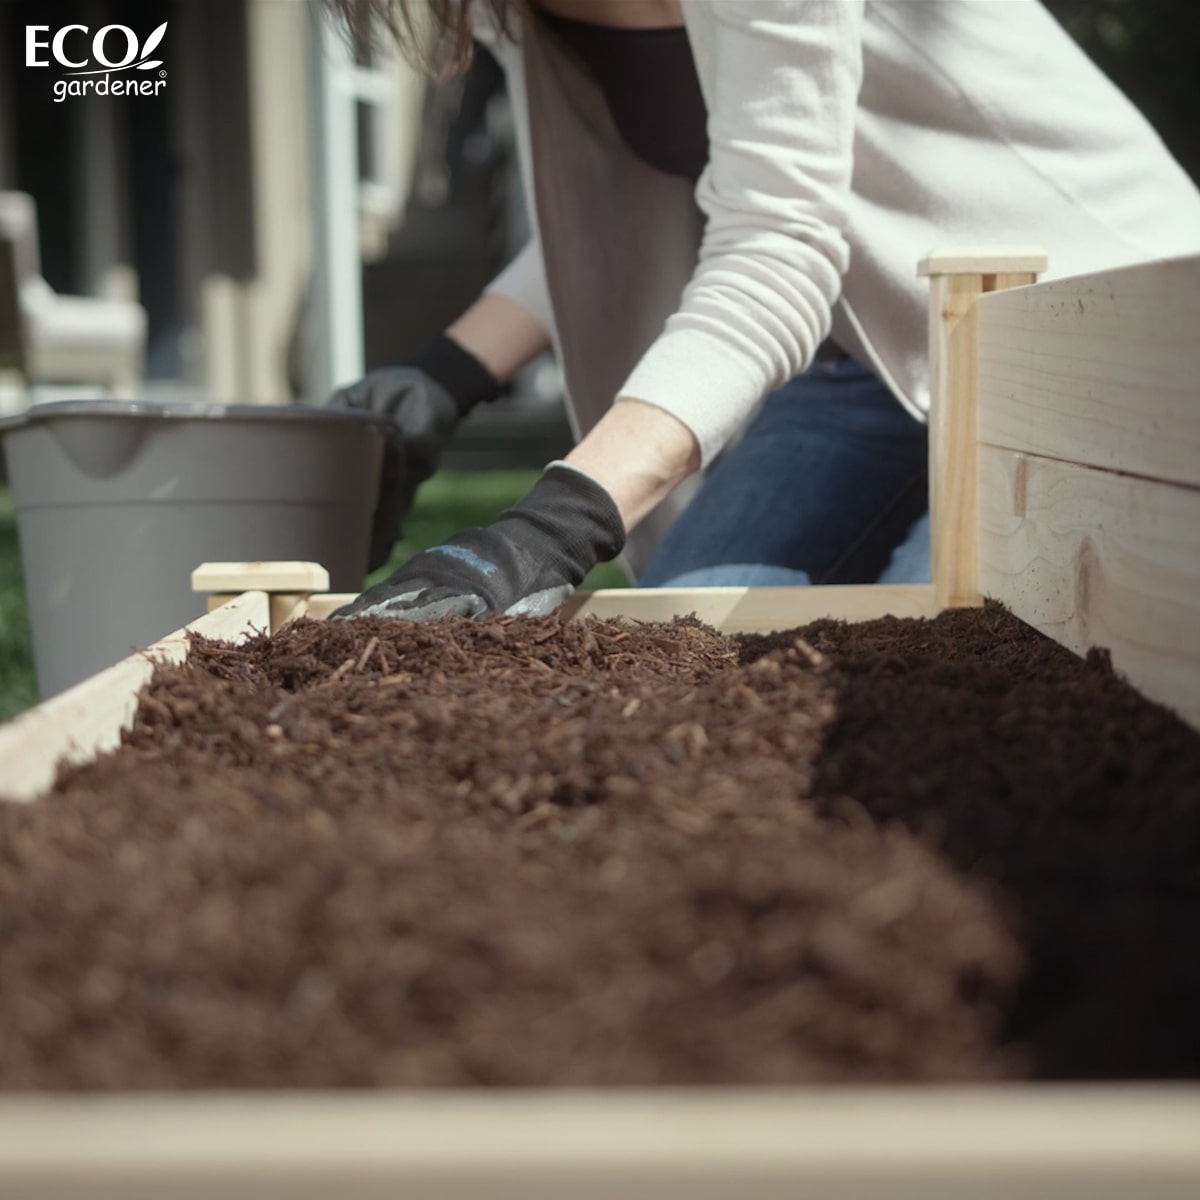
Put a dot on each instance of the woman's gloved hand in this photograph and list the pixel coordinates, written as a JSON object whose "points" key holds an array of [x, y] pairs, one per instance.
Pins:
{"points": [[525, 564], [427, 399]]}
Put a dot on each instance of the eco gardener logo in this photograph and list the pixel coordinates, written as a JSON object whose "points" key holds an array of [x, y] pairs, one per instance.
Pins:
{"points": [[93, 63]]}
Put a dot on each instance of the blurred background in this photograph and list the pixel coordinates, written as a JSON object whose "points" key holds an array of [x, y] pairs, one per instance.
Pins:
{"points": [[291, 210]]}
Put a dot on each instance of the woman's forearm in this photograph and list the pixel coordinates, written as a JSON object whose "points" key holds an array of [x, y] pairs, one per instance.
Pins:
{"points": [[501, 334], [639, 453]]}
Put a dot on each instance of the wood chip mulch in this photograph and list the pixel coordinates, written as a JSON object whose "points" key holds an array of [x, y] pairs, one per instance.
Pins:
{"points": [[369, 853]]}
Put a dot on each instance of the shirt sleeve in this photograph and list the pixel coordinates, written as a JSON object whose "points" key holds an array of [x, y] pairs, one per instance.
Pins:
{"points": [[781, 81]]}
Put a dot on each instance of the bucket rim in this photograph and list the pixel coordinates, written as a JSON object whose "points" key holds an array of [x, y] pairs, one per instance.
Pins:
{"points": [[188, 410]]}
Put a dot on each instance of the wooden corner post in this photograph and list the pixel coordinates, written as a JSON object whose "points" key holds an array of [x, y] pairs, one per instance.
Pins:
{"points": [[958, 277], [288, 584]]}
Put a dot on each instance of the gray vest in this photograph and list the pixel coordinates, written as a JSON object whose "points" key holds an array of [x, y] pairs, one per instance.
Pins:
{"points": [[619, 242]]}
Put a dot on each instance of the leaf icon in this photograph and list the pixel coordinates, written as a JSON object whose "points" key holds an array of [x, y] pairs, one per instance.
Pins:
{"points": [[157, 62], [152, 41]]}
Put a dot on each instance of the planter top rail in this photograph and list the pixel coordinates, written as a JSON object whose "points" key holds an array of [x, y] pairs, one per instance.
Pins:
{"points": [[89, 718], [902, 1143]]}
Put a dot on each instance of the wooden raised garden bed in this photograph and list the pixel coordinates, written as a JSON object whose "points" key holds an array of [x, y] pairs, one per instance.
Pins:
{"points": [[369, 874]]}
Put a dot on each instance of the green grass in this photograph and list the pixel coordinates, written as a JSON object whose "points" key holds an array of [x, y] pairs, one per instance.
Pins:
{"points": [[17, 688], [451, 501]]}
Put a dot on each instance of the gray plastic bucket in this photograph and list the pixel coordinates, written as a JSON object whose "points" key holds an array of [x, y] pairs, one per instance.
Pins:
{"points": [[118, 502]]}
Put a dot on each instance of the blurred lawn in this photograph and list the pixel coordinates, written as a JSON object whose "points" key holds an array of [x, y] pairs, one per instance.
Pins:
{"points": [[449, 502], [17, 690]]}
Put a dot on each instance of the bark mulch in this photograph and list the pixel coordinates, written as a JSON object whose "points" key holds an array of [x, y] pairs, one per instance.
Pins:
{"points": [[369, 853]]}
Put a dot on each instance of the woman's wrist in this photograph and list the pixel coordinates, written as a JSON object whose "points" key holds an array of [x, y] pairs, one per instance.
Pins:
{"points": [[639, 454], [458, 371], [500, 334]]}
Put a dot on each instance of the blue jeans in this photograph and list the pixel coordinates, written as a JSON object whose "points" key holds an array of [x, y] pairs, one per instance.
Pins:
{"points": [[828, 485]]}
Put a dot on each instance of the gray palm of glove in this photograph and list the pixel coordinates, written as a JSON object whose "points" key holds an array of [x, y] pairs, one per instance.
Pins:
{"points": [[525, 564]]}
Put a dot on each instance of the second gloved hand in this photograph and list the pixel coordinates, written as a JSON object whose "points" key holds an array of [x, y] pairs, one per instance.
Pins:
{"points": [[526, 563], [427, 399]]}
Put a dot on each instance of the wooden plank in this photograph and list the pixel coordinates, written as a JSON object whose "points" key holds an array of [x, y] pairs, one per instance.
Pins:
{"points": [[983, 260], [320, 607], [87, 719], [1102, 369], [287, 606], [952, 438], [1094, 558], [928, 1143], [284, 606], [958, 278], [1003, 281], [757, 609], [260, 576], [731, 609]]}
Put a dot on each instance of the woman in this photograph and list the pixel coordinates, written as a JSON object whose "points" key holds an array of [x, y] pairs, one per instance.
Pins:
{"points": [[730, 197]]}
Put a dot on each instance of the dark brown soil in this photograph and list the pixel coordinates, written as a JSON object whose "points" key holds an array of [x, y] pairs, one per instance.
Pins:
{"points": [[370, 853]]}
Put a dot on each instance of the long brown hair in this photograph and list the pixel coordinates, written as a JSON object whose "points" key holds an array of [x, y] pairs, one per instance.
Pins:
{"points": [[434, 35]]}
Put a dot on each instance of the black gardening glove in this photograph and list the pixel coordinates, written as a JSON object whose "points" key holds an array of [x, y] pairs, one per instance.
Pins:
{"points": [[427, 399], [526, 564]]}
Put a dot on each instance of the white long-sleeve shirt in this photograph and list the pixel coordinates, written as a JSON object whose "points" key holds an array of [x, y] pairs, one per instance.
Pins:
{"points": [[846, 139]]}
